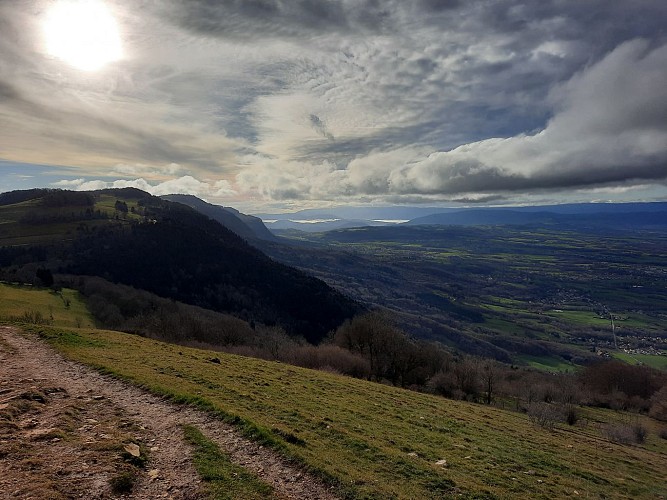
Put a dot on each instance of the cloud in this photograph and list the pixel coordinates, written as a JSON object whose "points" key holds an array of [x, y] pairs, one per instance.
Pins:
{"points": [[345, 100], [320, 127], [181, 185], [610, 126]]}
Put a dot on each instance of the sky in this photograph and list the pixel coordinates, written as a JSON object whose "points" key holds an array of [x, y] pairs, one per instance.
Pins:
{"points": [[290, 104]]}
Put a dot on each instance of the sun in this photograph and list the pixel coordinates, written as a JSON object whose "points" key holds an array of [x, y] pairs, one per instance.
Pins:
{"points": [[83, 33]]}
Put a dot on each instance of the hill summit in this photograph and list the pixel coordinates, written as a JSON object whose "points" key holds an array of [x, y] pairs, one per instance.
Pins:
{"points": [[128, 236]]}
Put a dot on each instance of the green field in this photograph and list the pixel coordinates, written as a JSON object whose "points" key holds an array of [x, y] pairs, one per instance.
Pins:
{"points": [[535, 288], [659, 362], [16, 230], [372, 440], [547, 363]]}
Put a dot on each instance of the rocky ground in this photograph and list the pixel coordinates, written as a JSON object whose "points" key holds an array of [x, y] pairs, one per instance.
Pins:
{"points": [[67, 431]]}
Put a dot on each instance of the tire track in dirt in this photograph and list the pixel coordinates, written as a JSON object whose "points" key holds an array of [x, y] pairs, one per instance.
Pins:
{"points": [[157, 423]]}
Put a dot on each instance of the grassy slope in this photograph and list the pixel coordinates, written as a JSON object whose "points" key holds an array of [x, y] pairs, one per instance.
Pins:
{"points": [[17, 300], [13, 232], [366, 434], [659, 362]]}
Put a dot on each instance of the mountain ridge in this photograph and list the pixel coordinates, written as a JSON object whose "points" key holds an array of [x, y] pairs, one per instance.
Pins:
{"points": [[169, 249]]}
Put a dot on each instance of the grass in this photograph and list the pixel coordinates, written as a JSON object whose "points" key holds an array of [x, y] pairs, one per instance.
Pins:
{"points": [[654, 361], [64, 308], [382, 442], [547, 363], [224, 479], [376, 441]]}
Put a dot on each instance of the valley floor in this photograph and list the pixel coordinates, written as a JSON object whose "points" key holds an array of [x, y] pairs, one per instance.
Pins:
{"points": [[67, 431]]}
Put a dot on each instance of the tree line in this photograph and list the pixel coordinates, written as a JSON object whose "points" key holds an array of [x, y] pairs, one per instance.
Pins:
{"points": [[370, 346]]}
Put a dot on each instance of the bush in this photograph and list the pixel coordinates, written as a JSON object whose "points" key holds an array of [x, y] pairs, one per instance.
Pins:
{"points": [[330, 358], [618, 433], [571, 414], [640, 433], [625, 433], [442, 383], [545, 415], [123, 482], [658, 408]]}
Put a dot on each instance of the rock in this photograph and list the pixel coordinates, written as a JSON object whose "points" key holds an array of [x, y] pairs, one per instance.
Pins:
{"points": [[441, 463], [215, 360], [412, 454], [133, 449], [153, 474], [4, 405]]}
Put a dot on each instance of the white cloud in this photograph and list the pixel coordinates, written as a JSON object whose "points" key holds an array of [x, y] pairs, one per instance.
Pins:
{"points": [[352, 100], [181, 185]]}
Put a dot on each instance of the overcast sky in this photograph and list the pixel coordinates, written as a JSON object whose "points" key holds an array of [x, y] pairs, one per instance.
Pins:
{"points": [[296, 103]]}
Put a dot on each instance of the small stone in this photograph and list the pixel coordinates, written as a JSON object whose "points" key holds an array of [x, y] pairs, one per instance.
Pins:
{"points": [[412, 454], [441, 463], [133, 449], [153, 474]]}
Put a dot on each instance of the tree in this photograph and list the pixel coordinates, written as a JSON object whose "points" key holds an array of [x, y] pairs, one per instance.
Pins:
{"points": [[121, 206], [45, 276], [489, 373], [375, 337]]}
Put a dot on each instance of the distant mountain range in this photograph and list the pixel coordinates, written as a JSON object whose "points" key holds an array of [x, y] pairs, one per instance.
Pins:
{"points": [[608, 216], [581, 215], [247, 227]]}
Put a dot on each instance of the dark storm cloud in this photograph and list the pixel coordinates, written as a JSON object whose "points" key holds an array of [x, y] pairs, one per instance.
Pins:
{"points": [[481, 199], [270, 18]]}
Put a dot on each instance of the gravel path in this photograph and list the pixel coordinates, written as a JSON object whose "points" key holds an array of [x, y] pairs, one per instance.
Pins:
{"points": [[98, 408]]}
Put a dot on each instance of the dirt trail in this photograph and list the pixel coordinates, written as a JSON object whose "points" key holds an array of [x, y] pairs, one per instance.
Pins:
{"points": [[64, 438]]}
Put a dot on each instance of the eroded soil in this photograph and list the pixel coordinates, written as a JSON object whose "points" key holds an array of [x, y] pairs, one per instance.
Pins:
{"points": [[67, 431]]}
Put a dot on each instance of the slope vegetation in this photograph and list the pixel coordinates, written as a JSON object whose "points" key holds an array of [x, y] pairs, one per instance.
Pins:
{"points": [[127, 236], [375, 441]]}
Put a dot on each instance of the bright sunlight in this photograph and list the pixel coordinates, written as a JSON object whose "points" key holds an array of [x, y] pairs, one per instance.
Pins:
{"points": [[83, 33]]}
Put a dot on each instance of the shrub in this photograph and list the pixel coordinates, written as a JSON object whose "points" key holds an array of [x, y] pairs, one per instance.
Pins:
{"points": [[442, 383], [639, 432], [618, 433], [544, 414], [571, 414], [123, 482], [625, 433], [328, 357], [658, 408]]}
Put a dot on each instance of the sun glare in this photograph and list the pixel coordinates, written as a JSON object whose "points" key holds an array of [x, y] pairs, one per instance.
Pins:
{"points": [[83, 33]]}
